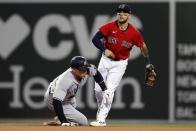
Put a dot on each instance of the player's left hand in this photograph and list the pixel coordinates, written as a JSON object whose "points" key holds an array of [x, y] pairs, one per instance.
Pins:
{"points": [[150, 76], [70, 124], [109, 53]]}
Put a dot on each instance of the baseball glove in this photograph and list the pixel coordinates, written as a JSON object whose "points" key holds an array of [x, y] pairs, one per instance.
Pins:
{"points": [[150, 76]]}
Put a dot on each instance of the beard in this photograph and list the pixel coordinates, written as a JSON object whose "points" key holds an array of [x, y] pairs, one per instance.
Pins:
{"points": [[122, 22]]}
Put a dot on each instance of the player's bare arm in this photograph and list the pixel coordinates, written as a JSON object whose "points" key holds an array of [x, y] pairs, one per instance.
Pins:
{"points": [[144, 50], [145, 53]]}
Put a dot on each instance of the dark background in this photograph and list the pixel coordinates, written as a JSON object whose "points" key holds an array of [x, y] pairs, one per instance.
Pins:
{"points": [[155, 20], [185, 35]]}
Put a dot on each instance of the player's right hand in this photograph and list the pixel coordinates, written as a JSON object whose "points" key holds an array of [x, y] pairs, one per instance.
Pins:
{"points": [[109, 53]]}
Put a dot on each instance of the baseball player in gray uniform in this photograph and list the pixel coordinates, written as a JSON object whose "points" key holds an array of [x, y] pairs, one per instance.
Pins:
{"points": [[60, 95]]}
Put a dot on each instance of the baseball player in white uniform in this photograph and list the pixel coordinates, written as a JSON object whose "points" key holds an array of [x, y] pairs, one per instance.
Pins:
{"points": [[60, 95]]}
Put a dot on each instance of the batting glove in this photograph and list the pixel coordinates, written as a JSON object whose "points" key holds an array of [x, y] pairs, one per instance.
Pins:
{"points": [[70, 124]]}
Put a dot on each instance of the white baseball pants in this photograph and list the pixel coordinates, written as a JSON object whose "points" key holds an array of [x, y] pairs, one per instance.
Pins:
{"points": [[112, 72]]}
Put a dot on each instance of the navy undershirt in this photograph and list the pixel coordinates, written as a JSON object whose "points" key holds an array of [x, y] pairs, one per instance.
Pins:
{"points": [[97, 41]]}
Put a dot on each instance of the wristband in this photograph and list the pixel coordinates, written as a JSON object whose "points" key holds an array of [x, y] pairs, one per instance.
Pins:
{"points": [[147, 60]]}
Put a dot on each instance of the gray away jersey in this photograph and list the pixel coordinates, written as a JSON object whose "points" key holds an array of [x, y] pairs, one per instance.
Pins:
{"points": [[65, 86]]}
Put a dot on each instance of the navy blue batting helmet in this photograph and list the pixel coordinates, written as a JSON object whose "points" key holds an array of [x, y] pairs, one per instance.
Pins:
{"points": [[79, 62]]}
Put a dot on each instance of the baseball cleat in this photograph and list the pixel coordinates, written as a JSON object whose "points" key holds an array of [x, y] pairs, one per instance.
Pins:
{"points": [[97, 123]]}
